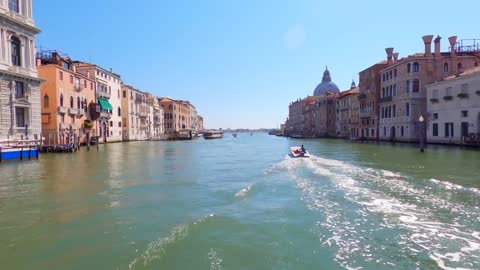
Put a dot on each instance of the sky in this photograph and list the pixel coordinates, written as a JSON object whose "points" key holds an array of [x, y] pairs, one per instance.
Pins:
{"points": [[241, 62]]}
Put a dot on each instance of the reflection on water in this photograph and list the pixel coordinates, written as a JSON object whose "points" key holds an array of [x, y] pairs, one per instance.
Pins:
{"points": [[242, 204]]}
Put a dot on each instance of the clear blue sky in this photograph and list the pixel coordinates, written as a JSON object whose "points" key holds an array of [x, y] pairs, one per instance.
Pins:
{"points": [[241, 62]]}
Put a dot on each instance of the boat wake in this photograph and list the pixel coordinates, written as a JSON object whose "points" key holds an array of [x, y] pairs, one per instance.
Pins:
{"points": [[243, 193], [375, 217], [158, 249]]}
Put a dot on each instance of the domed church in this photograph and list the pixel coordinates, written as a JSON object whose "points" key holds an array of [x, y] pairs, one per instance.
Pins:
{"points": [[326, 86]]}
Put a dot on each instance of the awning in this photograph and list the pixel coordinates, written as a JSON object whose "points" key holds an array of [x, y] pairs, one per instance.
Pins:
{"points": [[105, 104]]}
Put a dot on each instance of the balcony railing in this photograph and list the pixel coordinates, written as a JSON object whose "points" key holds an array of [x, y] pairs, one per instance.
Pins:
{"points": [[73, 111], [62, 109], [143, 114], [101, 94], [78, 87], [385, 99], [105, 114], [81, 112], [365, 114]]}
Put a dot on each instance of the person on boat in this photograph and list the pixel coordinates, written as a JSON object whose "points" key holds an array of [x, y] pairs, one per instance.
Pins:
{"points": [[303, 150]]}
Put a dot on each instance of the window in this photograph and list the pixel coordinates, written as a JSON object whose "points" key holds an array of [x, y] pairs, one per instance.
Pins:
{"points": [[119, 111], [85, 83], [435, 130], [13, 5], [395, 73], [415, 86], [71, 102], [448, 129], [384, 131], [91, 86], [409, 67], [407, 109], [416, 67], [111, 123], [465, 88], [448, 91], [118, 93], [78, 103], [464, 113], [119, 124], [435, 116], [445, 68], [394, 90], [60, 75], [16, 48], [402, 131], [407, 87], [459, 67], [393, 110], [435, 94], [20, 117], [61, 100], [19, 90], [383, 77], [45, 101], [71, 78]]}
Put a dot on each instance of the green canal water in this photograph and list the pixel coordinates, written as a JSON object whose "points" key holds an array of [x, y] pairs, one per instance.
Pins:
{"points": [[242, 204]]}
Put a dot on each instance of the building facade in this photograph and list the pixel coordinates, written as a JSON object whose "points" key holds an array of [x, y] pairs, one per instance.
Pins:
{"points": [[344, 111], [403, 88], [20, 115], [200, 125], [108, 109], [156, 128], [137, 114], [453, 109], [325, 115], [369, 94], [294, 124], [65, 98]]}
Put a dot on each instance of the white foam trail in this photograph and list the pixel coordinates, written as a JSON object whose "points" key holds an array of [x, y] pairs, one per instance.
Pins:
{"points": [[410, 210], [157, 249], [215, 260], [241, 194]]}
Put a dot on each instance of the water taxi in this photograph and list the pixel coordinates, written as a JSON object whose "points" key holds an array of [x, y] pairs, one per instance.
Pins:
{"points": [[213, 135]]}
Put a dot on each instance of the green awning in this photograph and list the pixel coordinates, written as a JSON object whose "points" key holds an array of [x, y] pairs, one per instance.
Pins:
{"points": [[105, 104]]}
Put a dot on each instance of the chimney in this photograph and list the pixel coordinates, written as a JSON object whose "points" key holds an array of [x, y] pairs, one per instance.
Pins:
{"points": [[74, 68], [395, 57], [389, 52], [453, 41], [39, 62], [428, 44], [438, 52]]}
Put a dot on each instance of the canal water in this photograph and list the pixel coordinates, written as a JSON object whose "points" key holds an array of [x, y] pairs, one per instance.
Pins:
{"points": [[242, 204]]}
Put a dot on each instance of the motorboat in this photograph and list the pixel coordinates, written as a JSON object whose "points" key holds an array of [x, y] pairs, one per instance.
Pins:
{"points": [[296, 152], [235, 135]]}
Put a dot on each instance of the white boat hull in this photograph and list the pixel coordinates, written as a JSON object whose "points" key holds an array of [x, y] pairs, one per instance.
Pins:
{"points": [[296, 152]]}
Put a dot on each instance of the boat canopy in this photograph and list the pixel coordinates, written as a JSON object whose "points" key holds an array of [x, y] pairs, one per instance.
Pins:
{"points": [[105, 104]]}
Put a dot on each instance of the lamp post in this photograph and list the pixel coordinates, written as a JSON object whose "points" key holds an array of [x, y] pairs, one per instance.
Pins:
{"points": [[422, 138]]}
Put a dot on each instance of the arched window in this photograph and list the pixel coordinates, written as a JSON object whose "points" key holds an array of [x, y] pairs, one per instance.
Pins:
{"points": [[416, 67], [415, 86], [407, 86], [85, 103], [78, 103], [407, 109], [445, 68], [409, 67], [61, 100], [71, 102], [119, 111], [475, 64], [16, 47], [46, 101], [459, 66]]}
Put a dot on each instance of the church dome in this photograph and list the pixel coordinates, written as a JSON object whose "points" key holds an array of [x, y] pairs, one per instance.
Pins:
{"points": [[326, 86]]}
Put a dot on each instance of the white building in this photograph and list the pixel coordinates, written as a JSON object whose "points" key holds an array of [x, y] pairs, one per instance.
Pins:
{"points": [[108, 93], [20, 114], [155, 118], [453, 107]]}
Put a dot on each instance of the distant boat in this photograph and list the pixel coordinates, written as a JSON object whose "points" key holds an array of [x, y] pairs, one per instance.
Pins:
{"points": [[184, 135], [235, 135], [213, 135]]}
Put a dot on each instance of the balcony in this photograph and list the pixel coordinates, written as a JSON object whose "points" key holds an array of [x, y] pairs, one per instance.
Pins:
{"points": [[462, 95], [143, 114], [63, 126], [73, 111], [138, 98], [20, 70], [78, 87], [62, 109], [18, 17], [385, 99], [143, 126], [434, 100], [105, 114], [157, 121], [81, 112], [105, 95], [362, 96], [365, 114], [447, 98]]}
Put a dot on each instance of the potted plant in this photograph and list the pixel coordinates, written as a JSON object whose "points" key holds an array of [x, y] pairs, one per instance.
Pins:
{"points": [[478, 92], [447, 98], [462, 95], [434, 100], [87, 125]]}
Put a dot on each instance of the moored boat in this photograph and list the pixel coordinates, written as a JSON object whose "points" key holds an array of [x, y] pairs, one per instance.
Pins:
{"points": [[213, 135]]}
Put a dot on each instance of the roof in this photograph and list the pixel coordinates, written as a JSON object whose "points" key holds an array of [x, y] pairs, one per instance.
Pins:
{"points": [[349, 92], [465, 73]]}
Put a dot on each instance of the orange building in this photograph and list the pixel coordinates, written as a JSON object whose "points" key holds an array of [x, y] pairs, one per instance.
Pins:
{"points": [[65, 97], [177, 115]]}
